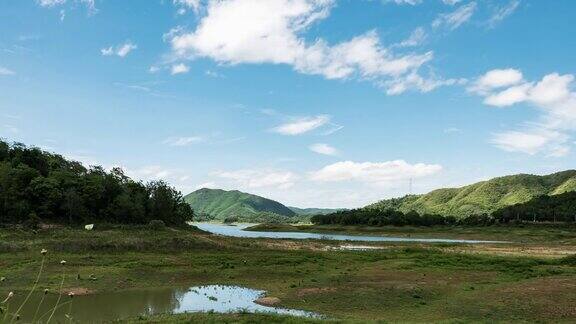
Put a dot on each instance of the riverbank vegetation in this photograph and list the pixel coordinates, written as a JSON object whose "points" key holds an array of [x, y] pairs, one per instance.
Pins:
{"points": [[37, 186], [544, 209]]}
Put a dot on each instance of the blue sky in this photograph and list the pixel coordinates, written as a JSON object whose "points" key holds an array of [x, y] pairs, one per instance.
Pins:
{"points": [[315, 103]]}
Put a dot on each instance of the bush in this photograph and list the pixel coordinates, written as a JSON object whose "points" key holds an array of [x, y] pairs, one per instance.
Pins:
{"points": [[230, 220], [33, 221], [156, 224]]}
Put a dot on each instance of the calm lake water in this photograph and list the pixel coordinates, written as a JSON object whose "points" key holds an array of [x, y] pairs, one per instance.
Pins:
{"points": [[99, 308], [238, 231]]}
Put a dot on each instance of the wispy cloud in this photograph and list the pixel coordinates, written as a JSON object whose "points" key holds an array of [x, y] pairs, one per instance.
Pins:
{"points": [[503, 12], [6, 71], [322, 148], [302, 125], [455, 18], [183, 141], [121, 50]]}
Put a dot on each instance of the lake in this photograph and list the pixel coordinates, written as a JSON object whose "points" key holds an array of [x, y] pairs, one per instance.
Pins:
{"points": [[238, 231]]}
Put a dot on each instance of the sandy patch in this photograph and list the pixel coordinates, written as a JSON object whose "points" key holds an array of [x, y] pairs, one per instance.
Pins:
{"points": [[268, 301], [78, 291]]}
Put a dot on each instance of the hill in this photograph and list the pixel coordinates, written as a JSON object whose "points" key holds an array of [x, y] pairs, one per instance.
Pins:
{"points": [[220, 204], [483, 197]]}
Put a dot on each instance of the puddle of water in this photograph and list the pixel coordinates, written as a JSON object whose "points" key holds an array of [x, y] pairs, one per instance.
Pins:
{"points": [[238, 231], [123, 304]]}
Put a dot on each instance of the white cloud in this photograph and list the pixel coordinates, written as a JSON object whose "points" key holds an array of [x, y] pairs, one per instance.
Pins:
{"points": [[183, 141], [209, 184], [260, 178], [179, 68], [322, 148], [121, 50], [553, 95], [456, 18], [187, 4], [302, 125], [51, 3], [90, 5], [509, 96], [497, 78], [417, 37], [532, 142], [503, 12], [408, 2], [451, 2], [258, 32], [374, 172], [6, 71], [415, 81]]}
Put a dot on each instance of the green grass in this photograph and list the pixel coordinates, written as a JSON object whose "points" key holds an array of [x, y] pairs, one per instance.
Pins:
{"points": [[403, 282]]}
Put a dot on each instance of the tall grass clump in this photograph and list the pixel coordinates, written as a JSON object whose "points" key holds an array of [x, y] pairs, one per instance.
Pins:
{"points": [[8, 316]]}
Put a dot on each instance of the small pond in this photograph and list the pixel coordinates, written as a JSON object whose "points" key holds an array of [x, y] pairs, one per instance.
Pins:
{"points": [[133, 303]]}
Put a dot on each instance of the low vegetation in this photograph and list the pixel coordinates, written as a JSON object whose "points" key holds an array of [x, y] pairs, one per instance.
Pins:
{"points": [[400, 282]]}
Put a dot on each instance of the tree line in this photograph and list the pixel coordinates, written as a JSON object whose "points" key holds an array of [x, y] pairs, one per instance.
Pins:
{"points": [[550, 209], [543, 209], [40, 186]]}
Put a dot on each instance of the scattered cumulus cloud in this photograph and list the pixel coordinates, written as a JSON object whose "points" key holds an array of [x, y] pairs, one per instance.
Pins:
{"points": [[553, 95], [179, 69], [495, 79], [259, 32], [248, 178], [324, 149], [381, 173], [121, 50], [302, 125], [455, 18], [209, 184], [532, 142]]}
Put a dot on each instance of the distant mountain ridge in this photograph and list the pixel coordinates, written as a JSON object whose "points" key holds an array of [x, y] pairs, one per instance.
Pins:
{"points": [[483, 197], [220, 204]]}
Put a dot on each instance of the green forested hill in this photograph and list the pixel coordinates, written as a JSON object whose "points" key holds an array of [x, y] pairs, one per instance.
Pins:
{"points": [[221, 204], [483, 197]]}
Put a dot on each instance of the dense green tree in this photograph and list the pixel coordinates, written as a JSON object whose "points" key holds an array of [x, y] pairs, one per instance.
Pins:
{"points": [[37, 185]]}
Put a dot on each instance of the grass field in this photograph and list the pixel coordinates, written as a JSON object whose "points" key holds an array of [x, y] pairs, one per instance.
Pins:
{"points": [[405, 282]]}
